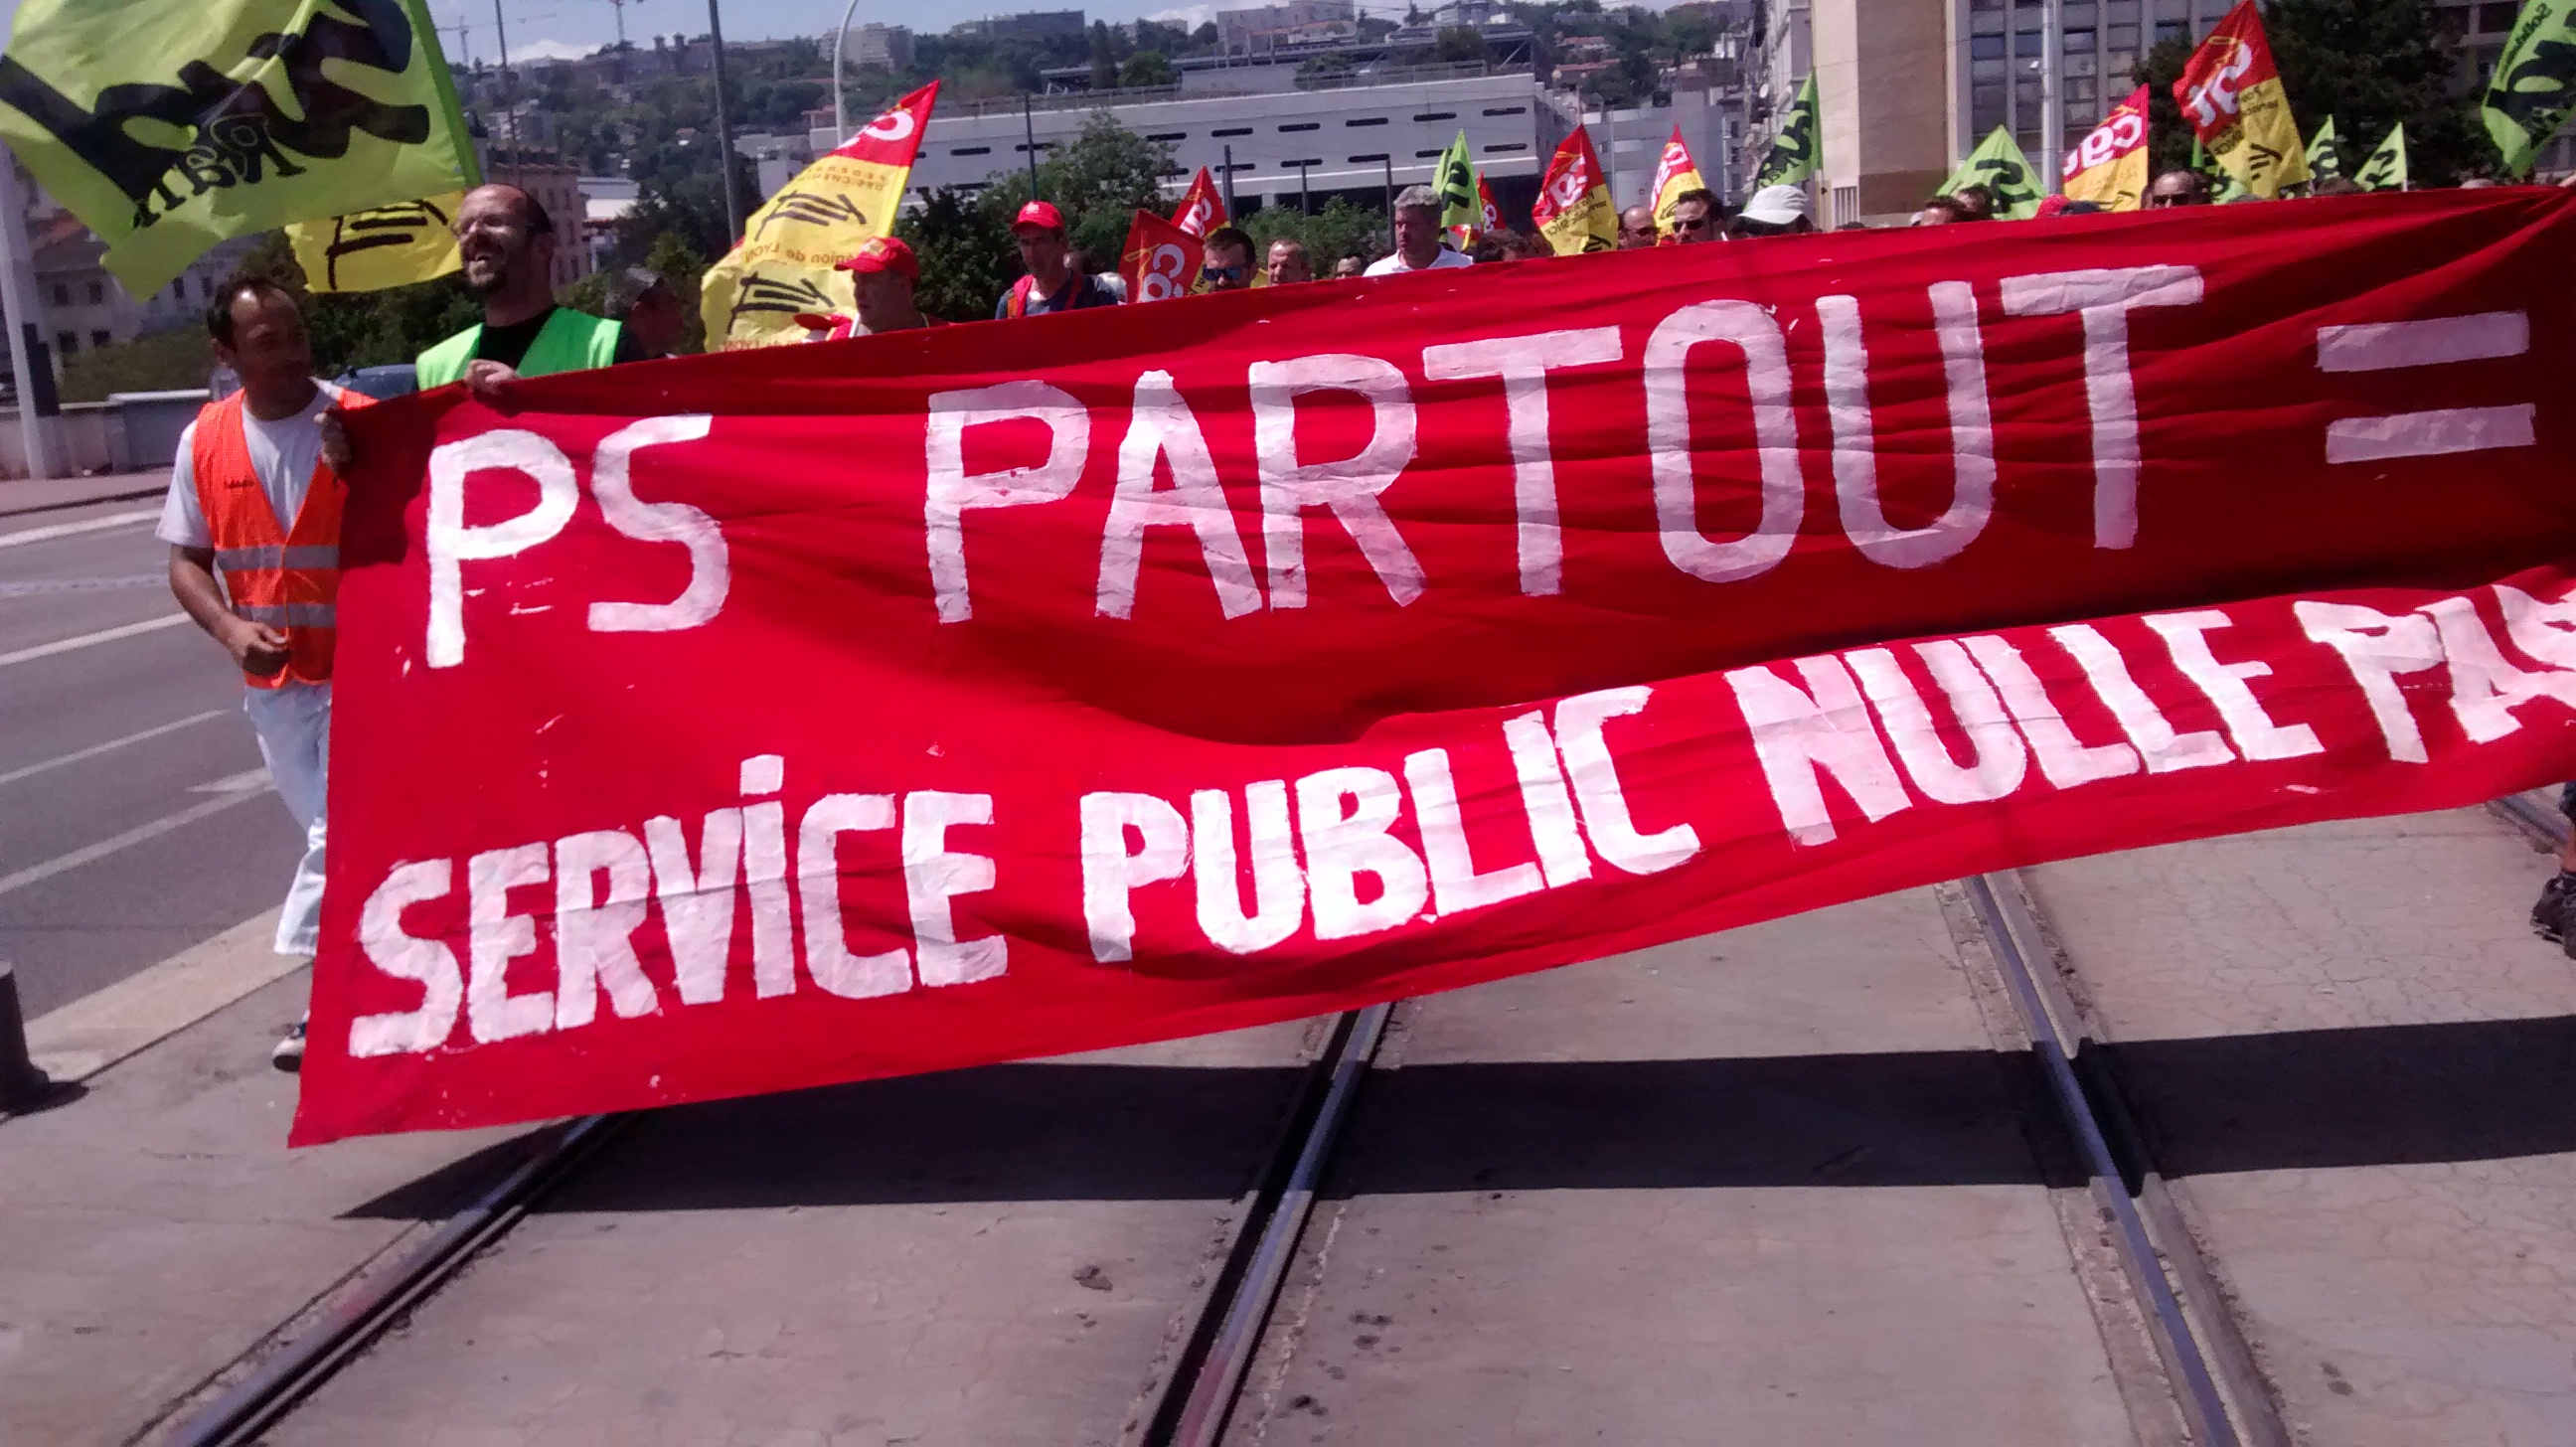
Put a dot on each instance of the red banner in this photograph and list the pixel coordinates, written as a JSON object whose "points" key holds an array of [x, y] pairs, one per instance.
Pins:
{"points": [[732, 725]]}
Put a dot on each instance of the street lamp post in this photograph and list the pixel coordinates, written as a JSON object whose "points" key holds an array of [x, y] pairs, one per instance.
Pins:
{"points": [[840, 114], [724, 131]]}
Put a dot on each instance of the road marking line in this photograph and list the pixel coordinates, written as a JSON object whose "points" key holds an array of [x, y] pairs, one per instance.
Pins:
{"points": [[2423, 434], [85, 525], [94, 750], [235, 783], [91, 854], [99, 1029], [104, 635]]}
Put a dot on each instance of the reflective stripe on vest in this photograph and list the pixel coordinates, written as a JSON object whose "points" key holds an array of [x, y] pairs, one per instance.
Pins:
{"points": [[291, 615], [283, 578], [307, 555]]}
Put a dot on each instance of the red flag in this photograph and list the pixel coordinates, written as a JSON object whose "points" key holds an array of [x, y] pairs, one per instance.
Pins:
{"points": [[1161, 259], [1202, 207], [2231, 97], [1485, 202]]}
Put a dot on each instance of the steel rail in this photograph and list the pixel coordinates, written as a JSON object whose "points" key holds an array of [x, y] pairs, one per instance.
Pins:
{"points": [[1217, 1377], [2195, 1386], [258, 1401]]}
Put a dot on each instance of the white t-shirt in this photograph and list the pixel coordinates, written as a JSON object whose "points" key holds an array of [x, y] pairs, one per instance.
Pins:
{"points": [[283, 453], [1393, 263]]}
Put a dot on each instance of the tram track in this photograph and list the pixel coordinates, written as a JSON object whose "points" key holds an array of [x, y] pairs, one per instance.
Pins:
{"points": [[1196, 1394]]}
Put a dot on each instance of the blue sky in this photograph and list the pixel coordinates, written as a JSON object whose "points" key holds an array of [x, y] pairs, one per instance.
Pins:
{"points": [[572, 27]]}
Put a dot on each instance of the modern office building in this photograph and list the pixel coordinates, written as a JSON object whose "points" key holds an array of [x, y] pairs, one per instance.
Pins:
{"points": [[1275, 138], [1906, 87]]}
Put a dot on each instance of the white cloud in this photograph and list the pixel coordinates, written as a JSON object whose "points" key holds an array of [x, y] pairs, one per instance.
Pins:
{"points": [[1189, 17], [548, 50]]}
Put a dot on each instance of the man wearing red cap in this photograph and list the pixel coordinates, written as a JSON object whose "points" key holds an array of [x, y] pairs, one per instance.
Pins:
{"points": [[1052, 283], [882, 272]]}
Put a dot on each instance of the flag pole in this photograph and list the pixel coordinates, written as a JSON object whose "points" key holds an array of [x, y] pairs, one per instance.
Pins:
{"points": [[840, 116], [2052, 117], [724, 132], [16, 293]]}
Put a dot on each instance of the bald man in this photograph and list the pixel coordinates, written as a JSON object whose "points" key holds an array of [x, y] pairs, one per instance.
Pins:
{"points": [[1636, 228], [507, 242]]}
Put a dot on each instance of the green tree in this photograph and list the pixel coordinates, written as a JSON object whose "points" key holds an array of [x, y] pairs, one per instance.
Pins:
{"points": [[1147, 67], [1104, 59], [966, 260], [2371, 64], [1336, 229], [1460, 43]]}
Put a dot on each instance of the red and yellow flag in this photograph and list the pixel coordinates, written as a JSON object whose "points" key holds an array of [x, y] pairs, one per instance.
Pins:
{"points": [[1202, 207], [783, 266], [1573, 210], [2109, 166], [2231, 97], [1675, 174], [1161, 259], [1493, 214]]}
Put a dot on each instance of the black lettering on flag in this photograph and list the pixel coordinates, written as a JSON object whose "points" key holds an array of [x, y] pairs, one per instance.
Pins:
{"points": [[776, 294], [834, 209], [2535, 94], [242, 131], [396, 225]]}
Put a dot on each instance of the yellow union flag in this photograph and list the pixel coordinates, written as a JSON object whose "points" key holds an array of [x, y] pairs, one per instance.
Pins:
{"points": [[784, 264], [170, 125], [1676, 175], [381, 247], [2109, 166]]}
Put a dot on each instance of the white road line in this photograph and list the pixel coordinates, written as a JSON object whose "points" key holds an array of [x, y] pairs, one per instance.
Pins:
{"points": [[2428, 434], [94, 750], [2385, 346], [104, 635], [85, 525], [235, 783], [140, 833], [99, 1029]]}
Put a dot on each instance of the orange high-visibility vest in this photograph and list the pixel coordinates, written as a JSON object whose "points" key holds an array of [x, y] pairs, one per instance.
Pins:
{"points": [[286, 578]]}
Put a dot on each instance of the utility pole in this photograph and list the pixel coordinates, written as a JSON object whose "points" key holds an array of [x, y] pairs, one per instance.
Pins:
{"points": [[17, 297], [621, 24], [1229, 181], [2052, 115], [1029, 141], [1390, 202], [509, 94], [724, 131]]}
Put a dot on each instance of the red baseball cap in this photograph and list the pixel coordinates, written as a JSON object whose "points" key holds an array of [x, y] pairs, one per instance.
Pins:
{"points": [[883, 253], [1041, 214]]}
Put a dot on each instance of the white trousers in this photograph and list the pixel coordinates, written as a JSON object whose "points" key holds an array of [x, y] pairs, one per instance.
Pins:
{"points": [[294, 724]]}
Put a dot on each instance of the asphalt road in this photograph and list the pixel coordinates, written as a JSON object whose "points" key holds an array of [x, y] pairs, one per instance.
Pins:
{"points": [[135, 819]]}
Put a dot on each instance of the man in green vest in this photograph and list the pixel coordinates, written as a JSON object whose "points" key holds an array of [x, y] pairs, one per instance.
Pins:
{"points": [[507, 243]]}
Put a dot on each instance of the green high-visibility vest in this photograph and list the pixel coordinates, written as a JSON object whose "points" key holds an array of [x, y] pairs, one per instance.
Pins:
{"points": [[570, 341]]}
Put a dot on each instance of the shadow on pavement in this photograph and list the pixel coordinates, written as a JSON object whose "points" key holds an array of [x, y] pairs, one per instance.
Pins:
{"points": [[2455, 1092]]}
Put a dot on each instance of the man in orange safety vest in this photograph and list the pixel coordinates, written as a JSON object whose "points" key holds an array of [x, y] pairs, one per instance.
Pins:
{"points": [[251, 497]]}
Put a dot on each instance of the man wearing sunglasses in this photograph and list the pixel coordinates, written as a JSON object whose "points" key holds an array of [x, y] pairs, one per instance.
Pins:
{"points": [[1226, 263]]}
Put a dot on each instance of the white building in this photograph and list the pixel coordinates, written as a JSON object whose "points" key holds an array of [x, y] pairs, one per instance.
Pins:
{"points": [[1343, 138], [1257, 29]]}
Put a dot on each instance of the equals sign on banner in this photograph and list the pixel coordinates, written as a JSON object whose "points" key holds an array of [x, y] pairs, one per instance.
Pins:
{"points": [[2432, 342]]}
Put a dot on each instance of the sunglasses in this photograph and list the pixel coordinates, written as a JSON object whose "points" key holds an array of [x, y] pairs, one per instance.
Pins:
{"points": [[1223, 273]]}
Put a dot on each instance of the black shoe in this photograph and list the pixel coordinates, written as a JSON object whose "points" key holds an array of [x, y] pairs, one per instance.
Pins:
{"points": [[289, 1054], [2554, 917]]}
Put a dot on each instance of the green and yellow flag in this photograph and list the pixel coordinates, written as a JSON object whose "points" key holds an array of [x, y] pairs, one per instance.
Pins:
{"points": [[1461, 214], [380, 247], [2534, 84], [2386, 168], [2325, 153], [170, 125], [1798, 151], [1997, 164]]}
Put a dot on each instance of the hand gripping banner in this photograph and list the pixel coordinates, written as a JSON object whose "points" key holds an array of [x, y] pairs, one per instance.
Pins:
{"points": [[742, 723]]}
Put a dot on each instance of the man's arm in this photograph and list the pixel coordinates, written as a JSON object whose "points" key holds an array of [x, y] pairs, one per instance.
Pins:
{"points": [[259, 649]]}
